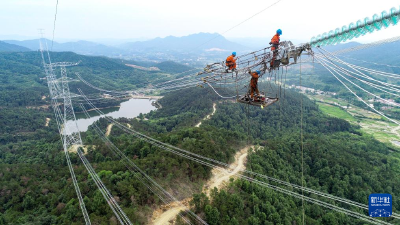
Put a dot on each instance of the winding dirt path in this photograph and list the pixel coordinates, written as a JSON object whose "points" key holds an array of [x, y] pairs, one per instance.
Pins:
{"points": [[109, 127], [208, 116], [219, 179], [47, 122]]}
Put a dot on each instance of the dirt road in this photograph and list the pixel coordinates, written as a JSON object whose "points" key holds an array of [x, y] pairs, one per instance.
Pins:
{"points": [[219, 179], [47, 122], [208, 116], [109, 127]]}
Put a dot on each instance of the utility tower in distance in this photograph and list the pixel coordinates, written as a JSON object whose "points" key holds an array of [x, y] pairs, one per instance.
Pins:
{"points": [[66, 120]]}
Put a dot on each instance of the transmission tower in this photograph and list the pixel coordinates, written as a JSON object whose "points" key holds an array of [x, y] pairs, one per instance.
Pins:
{"points": [[66, 120]]}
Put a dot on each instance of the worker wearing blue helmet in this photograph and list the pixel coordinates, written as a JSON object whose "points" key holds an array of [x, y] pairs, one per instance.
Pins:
{"points": [[253, 84], [231, 62], [275, 44]]}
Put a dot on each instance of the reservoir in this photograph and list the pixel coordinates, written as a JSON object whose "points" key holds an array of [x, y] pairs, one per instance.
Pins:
{"points": [[129, 109]]}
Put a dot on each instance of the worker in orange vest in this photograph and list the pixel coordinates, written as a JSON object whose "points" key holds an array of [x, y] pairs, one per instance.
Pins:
{"points": [[231, 62], [253, 83], [275, 44]]}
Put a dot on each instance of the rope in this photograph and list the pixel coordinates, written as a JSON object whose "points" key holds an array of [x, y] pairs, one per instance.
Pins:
{"points": [[218, 93]]}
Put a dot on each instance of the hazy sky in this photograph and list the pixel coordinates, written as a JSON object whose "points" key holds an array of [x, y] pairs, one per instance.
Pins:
{"points": [[124, 19]]}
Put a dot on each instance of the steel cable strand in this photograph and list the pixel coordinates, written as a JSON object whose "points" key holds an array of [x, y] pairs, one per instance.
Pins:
{"points": [[97, 88], [315, 201], [373, 44], [99, 132], [376, 72], [176, 74], [122, 218], [177, 86], [378, 64], [376, 86], [104, 90], [355, 69], [173, 83], [256, 174], [380, 113], [163, 145], [362, 88], [132, 166], [137, 175], [188, 82], [336, 208], [57, 112], [387, 87], [396, 104], [215, 161], [371, 71], [128, 163], [364, 46], [177, 79], [348, 74], [359, 98]]}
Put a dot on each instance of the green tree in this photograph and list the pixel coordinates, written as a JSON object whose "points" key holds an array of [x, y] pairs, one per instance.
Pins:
{"points": [[329, 219], [212, 215], [28, 202], [2, 220]]}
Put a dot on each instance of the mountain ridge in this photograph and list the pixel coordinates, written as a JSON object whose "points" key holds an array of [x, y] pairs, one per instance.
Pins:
{"points": [[7, 47]]}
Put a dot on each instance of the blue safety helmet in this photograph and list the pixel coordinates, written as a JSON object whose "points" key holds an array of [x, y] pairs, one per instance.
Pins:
{"points": [[279, 31], [234, 53], [258, 72]]}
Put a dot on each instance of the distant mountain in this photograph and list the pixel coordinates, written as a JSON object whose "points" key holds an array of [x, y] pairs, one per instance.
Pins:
{"points": [[194, 49], [80, 47], [191, 43], [31, 44], [6, 47]]}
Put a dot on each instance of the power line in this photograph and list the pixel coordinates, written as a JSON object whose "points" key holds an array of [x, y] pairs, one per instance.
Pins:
{"points": [[54, 26], [217, 35], [192, 156]]}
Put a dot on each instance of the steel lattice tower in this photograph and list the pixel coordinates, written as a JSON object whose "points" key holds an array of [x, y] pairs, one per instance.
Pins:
{"points": [[66, 120]]}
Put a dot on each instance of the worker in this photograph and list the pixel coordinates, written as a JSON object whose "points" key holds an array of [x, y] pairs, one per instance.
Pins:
{"points": [[275, 44], [253, 84], [231, 62]]}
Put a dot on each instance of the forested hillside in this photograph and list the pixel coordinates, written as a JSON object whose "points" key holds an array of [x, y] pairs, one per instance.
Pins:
{"points": [[23, 80], [36, 188]]}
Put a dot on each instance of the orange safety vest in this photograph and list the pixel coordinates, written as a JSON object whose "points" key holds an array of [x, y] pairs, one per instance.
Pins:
{"points": [[275, 41], [254, 80], [230, 60]]}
